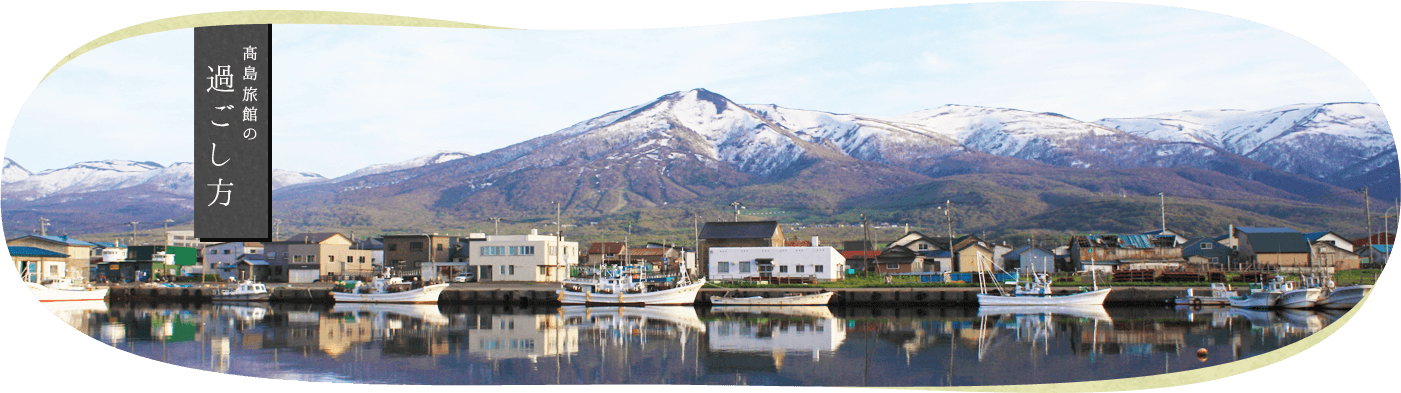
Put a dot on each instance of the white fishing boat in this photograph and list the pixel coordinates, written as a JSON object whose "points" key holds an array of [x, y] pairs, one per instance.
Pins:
{"points": [[1344, 297], [792, 299], [246, 291], [1263, 295], [613, 287], [62, 290], [1037, 292], [1305, 297], [1220, 296], [386, 290]]}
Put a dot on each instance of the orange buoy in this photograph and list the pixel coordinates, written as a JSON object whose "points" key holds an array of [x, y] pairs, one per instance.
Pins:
{"points": [[1201, 354]]}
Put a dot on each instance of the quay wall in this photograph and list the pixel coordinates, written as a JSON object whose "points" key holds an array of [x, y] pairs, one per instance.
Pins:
{"points": [[913, 296]]}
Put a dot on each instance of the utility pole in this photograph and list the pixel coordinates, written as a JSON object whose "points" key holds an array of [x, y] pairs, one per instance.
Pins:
{"points": [[948, 209], [165, 227], [866, 242], [1162, 206], [133, 232], [43, 226], [1367, 209], [276, 228], [736, 204], [497, 221]]}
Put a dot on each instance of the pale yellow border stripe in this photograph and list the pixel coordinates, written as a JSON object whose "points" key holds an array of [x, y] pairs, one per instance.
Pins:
{"points": [[351, 18]]}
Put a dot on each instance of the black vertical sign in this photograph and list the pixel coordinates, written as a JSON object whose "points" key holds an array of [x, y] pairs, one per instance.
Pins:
{"points": [[233, 132]]}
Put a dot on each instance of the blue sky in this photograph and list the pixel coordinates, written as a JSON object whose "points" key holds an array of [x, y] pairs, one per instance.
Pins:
{"points": [[351, 96]]}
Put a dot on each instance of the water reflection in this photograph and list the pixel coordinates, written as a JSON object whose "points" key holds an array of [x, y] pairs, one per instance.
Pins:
{"points": [[427, 344]]}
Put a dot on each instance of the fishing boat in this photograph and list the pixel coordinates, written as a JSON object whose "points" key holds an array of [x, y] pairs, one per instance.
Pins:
{"points": [[617, 287], [62, 290], [1220, 296], [1037, 292], [1306, 297], [1263, 295], [1344, 297], [792, 299], [246, 291], [386, 290]]}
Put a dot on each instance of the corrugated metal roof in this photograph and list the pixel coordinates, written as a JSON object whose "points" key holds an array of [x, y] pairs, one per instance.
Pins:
{"points": [[21, 251], [63, 239], [1275, 242], [1265, 230], [739, 230]]}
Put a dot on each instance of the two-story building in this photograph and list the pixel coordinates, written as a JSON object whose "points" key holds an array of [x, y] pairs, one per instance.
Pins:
{"points": [[533, 257], [406, 253], [77, 254], [765, 263], [307, 257], [222, 258], [737, 234]]}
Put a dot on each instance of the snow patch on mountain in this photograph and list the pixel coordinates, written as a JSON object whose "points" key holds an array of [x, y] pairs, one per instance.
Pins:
{"points": [[282, 178], [14, 172], [102, 176], [438, 157]]}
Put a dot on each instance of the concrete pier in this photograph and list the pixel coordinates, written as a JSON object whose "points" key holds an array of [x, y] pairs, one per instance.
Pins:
{"points": [[545, 295]]}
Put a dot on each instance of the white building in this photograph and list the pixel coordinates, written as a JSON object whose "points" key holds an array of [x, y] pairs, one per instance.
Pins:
{"points": [[532, 257], [223, 257], [184, 239], [741, 263]]}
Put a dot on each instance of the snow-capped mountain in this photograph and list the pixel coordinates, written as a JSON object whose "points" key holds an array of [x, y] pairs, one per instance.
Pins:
{"points": [[14, 172], [1314, 140], [103, 175], [438, 157], [281, 178]]}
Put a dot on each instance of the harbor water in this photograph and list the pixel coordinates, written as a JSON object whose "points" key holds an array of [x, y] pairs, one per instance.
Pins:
{"points": [[821, 346]]}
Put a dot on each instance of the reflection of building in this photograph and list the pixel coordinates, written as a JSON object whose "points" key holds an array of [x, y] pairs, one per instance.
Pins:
{"points": [[404, 329], [522, 336], [764, 336]]}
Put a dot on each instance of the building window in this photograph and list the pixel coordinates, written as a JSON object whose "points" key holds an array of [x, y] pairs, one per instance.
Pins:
{"points": [[227, 252], [744, 267], [362, 259], [213, 252], [924, 246], [513, 269], [416, 246], [799, 269], [1206, 246], [297, 258], [723, 267], [330, 258], [817, 268], [393, 247], [542, 270], [1215, 260], [522, 250], [783, 268], [892, 266], [503, 269]]}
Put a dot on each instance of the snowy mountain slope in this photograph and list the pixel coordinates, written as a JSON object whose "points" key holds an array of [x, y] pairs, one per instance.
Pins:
{"points": [[14, 172], [281, 178], [1314, 140], [438, 157], [103, 175]]}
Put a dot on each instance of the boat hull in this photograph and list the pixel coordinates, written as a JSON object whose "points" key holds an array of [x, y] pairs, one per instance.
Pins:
{"points": [[683, 295], [1345, 297], [246, 297], [425, 295], [1256, 300], [1203, 301], [1300, 298], [816, 299], [46, 294], [1093, 298]]}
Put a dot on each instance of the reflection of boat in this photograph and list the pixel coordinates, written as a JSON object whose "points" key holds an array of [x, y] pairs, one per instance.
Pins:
{"points": [[61, 290], [247, 291], [1257, 317], [1263, 296], [627, 318], [1093, 312], [1344, 297], [1308, 321], [425, 312], [788, 311], [250, 312], [1037, 292], [1220, 296], [617, 288], [384, 290], [74, 313], [795, 299]]}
